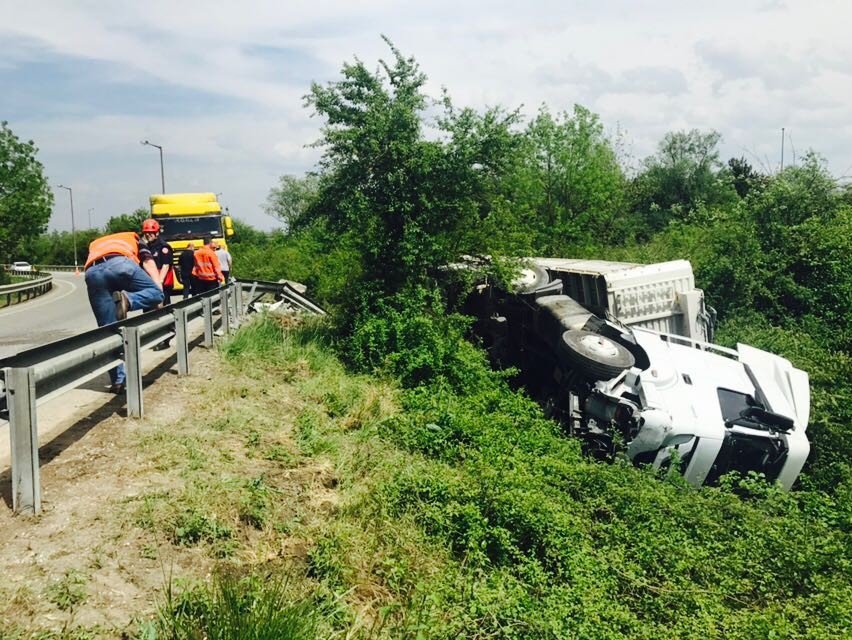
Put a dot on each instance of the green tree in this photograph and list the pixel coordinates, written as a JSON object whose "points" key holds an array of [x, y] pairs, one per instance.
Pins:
{"points": [[803, 227], [405, 203], [743, 176], [127, 221], [247, 235], [569, 179], [57, 247], [25, 197], [683, 175], [290, 200]]}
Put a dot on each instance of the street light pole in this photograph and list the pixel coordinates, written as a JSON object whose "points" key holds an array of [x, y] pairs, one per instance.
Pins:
{"points": [[162, 171], [73, 226]]}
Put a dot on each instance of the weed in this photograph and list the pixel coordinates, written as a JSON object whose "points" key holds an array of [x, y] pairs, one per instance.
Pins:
{"points": [[255, 506], [150, 552], [310, 426], [326, 560], [69, 591], [194, 526], [249, 608], [279, 453], [252, 439]]}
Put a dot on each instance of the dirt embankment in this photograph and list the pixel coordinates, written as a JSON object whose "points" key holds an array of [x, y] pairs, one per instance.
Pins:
{"points": [[131, 505]]}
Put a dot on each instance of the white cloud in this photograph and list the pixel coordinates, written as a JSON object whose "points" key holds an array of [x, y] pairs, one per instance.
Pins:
{"points": [[745, 68]]}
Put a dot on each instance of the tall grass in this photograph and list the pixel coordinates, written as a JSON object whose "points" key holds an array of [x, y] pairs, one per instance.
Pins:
{"points": [[233, 608]]}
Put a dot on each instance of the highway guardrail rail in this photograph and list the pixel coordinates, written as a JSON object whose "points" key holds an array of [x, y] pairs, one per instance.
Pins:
{"points": [[36, 283], [30, 378]]}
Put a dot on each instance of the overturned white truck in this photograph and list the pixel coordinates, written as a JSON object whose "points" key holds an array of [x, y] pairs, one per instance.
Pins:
{"points": [[621, 355]]}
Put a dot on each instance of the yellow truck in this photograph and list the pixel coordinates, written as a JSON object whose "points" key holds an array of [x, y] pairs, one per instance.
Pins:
{"points": [[188, 217]]}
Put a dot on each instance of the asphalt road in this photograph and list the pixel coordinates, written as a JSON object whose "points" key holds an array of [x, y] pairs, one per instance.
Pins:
{"points": [[61, 313]]}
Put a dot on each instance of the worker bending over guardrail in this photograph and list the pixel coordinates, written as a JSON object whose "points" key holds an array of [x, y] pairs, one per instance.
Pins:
{"points": [[116, 284]]}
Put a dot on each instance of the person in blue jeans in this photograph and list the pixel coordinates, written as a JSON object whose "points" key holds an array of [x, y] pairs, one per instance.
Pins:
{"points": [[116, 284]]}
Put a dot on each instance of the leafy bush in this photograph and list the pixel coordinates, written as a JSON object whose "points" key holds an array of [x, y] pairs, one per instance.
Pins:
{"points": [[411, 336]]}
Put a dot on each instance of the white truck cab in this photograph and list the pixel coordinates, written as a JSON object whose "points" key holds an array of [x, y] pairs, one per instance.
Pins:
{"points": [[714, 410]]}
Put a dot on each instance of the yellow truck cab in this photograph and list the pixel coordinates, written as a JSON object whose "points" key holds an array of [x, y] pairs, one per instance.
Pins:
{"points": [[188, 217]]}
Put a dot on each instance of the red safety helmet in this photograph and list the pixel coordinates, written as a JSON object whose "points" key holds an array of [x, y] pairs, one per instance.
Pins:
{"points": [[150, 226]]}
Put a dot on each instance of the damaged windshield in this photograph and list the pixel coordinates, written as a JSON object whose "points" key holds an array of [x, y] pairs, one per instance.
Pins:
{"points": [[741, 409]]}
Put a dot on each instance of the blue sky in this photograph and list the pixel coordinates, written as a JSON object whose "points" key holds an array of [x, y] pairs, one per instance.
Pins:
{"points": [[220, 84]]}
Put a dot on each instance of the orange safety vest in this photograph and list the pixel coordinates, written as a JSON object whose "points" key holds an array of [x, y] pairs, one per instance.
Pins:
{"points": [[126, 244], [206, 265]]}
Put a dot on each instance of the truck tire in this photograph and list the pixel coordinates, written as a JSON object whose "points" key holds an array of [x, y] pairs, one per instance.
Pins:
{"points": [[594, 355], [531, 278]]}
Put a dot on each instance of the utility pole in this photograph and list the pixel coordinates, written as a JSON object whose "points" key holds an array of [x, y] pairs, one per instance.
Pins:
{"points": [[73, 227], [782, 148]]}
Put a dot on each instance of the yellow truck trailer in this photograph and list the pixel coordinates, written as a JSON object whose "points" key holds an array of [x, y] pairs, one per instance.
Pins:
{"points": [[190, 217]]}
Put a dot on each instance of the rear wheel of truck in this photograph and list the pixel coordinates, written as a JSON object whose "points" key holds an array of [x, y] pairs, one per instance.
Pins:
{"points": [[594, 355], [530, 279]]}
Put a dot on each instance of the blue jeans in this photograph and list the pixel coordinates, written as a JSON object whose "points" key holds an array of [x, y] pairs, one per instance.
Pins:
{"points": [[119, 274]]}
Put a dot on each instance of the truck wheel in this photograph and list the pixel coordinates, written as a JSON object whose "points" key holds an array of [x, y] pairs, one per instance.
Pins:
{"points": [[530, 279], [594, 355]]}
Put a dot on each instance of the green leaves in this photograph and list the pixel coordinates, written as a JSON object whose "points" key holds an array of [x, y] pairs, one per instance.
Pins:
{"points": [[26, 199], [568, 177], [407, 200], [684, 174]]}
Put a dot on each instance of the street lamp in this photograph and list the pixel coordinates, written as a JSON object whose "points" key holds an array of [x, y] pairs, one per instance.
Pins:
{"points": [[162, 173], [73, 227]]}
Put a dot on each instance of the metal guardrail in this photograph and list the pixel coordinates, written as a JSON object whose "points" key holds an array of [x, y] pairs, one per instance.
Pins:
{"points": [[47, 267], [36, 285], [284, 290], [32, 377], [58, 267]]}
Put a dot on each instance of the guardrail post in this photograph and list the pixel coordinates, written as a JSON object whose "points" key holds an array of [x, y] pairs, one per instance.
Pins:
{"points": [[23, 435], [207, 311], [251, 294], [225, 311], [237, 301], [133, 365], [181, 342], [232, 306]]}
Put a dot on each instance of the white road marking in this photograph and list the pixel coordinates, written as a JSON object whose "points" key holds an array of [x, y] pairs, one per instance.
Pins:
{"points": [[27, 306]]}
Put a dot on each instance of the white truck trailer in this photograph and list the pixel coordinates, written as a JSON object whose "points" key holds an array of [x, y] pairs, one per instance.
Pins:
{"points": [[661, 297]]}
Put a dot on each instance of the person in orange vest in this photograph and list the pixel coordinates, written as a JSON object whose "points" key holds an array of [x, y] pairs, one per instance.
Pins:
{"points": [[206, 274], [116, 283]]}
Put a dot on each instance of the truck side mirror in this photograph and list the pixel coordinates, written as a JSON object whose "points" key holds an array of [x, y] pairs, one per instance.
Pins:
{"points": [[229, 226]]}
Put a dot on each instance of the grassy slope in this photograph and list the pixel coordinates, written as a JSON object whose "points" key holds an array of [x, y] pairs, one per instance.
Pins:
{"points": [[359, 510], [468, 515]]}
